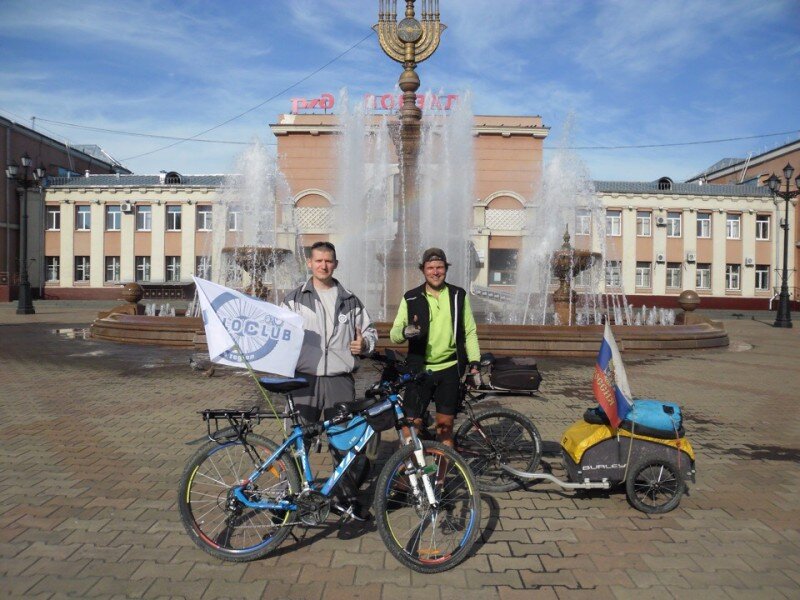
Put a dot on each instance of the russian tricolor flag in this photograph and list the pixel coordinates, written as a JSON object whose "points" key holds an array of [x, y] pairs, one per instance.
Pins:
{"points": [[610, 383]]}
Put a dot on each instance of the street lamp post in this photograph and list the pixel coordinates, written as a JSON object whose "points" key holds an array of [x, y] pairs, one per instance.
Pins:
{"points": [[784, 316], [25, 299]]}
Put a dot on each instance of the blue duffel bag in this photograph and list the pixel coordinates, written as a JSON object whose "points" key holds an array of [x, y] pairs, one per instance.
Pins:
{"points": [[652, 418]]}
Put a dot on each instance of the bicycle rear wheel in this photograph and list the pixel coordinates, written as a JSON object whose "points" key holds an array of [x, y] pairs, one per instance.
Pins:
{"points": [[215, 520], [428, 538], [496, 437]]}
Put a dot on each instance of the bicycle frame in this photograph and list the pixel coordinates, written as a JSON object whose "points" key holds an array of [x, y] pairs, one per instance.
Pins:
{"points": [[295, 441]]}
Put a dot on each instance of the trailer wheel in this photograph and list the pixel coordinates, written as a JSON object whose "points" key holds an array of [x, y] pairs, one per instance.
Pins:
{"points": [[654, 486]]}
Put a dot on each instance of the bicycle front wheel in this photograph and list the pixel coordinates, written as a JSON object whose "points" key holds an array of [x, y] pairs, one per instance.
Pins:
{"points": [[219, 523], [496, 437], [428, 538]]}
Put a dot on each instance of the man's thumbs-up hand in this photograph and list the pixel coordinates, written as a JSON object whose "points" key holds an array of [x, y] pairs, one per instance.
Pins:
{"points": [[357, 346], [413, 330]]}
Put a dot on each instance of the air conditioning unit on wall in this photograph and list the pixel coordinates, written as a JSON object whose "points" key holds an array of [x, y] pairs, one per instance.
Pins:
{"points": [[691, 257], [749, 262], [661, 222], [660, 258], [126, 207]]}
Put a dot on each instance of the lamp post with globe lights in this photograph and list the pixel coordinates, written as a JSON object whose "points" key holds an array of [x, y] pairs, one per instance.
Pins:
{"points": [[784, 317], [23, 181]]}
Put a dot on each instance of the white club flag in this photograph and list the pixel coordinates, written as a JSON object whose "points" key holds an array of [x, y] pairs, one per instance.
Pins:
{"points": [[268, 337]]}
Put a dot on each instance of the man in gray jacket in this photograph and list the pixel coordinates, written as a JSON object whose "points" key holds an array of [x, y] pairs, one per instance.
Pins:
{"points": [[337, 330]]}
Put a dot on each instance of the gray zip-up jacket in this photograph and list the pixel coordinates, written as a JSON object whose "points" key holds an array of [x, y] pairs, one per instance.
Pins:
{"points": [[328, 352]]}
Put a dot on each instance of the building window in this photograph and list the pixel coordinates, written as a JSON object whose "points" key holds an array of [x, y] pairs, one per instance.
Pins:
{"points": [[173, 268], [52, 267], [502, 266], [112, 268], [704, 225], [732, 276], [643, 220], [143, 268], [762, 277], [52, 218], [613, 223], [583, 222], [173, 218], [234, 217], [203, 267], [144, 218], [673, 224], [582, 279], [81, 268], [762, 227], [703, 279], [673, 275], [203, 218], [643, 272], [113, 217], [614, 273], [733, 227], [83, 217]]}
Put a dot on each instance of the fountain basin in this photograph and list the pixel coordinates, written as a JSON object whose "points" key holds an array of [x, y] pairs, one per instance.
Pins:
{"points": [[504, 340]]}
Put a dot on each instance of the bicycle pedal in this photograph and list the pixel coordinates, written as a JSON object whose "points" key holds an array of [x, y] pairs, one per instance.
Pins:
{"points": [[350, 513]]}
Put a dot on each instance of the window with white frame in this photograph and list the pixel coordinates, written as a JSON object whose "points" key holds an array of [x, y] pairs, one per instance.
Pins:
{"points": [[704, 225], [52, 218], [113, 217], [674, 275], [733, 277], [173, 218], [83, 217], [203, 218], [613, 223], [703, 279], [203, 267], [762, 227], [583, 222], [144, 218], [762, 277], [614, 273], [112, 268], [502, 266], [644, 272], [234, 219], [733, 227], [52, 268], [643, 222], [143, 268], [82, 268], [582, 279], [173, 268], [673, 224]]}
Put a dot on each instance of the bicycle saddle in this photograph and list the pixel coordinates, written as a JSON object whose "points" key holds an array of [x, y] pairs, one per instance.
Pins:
{"points": [[282, 385]]}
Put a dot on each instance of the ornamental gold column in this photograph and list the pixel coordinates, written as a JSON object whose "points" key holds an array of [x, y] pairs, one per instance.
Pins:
{"points": [[409, 42]]}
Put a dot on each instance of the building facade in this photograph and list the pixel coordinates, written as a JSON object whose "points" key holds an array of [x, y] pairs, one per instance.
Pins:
{"points": [[58, 160], [660, 238]]}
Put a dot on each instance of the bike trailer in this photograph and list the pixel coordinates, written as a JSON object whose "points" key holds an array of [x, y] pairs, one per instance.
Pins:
{"points": [[594, 451], [511, 373]]}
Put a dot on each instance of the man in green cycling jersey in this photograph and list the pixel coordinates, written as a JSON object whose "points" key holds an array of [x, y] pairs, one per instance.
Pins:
{"points": [[437, 321]]}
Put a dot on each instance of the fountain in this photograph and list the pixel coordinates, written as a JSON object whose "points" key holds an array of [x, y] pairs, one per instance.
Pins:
{"points": [[380, 251]]}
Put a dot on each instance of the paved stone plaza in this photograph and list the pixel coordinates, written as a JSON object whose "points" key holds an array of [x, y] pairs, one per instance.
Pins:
{"points": [[93, 440]]}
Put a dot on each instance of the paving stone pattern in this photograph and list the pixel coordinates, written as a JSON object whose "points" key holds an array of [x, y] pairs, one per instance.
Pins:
{"points": [[93, 440]]}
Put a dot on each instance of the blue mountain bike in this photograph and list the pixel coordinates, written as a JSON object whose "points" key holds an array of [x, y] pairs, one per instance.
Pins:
{"points": [[241, 493]]}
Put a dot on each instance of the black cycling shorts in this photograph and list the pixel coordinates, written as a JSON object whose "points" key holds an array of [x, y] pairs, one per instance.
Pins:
{"points": [[443, 387]]}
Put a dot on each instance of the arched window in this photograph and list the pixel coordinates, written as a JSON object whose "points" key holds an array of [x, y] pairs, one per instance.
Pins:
{"points": [[665, 183], [505, 213], [172, 178]]}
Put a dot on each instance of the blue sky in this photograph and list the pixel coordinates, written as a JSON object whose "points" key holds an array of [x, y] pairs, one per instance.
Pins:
{"points": [[629, 72]]}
